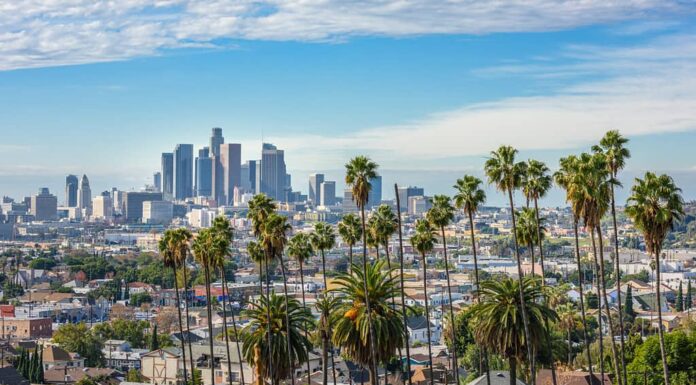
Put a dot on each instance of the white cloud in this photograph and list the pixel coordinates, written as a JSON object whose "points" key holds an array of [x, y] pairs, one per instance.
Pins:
{"points": [[650, 90], [38, 33]]}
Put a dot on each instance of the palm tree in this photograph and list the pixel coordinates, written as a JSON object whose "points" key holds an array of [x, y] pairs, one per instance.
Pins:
{"points": [[654, 205], [354, 321], [612, 145], [350, 231], [528, 231], [595, 188], [469, 197], [567, 322], [300, 249], [359, 172], [273, 240], [323, 238], [287, 316], [567, 178], [169, 246], [401, 282], [506, 174], [423, 241], [499, 322], [222, 229], [327, 321], [440, 215], [204, 246]]}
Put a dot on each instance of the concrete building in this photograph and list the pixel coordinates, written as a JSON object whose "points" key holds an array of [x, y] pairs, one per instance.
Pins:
{"points": [[315, 181], [273, 172], [204, 173], [71, 185], [102, 207], [230, 162], [418, 205], [27, 328], [348, 204], [133, 204], [84, 196], [248, 176], [183, 171], [167, 175], [44, 205], [158, 212], [327, 193], [157, 181], [407, 192]]}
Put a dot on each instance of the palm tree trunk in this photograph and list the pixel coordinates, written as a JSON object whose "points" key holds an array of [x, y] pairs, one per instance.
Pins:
{"points": [[210, 324], [236, 339], [268, 315], [326, 332], [427, 317], [403, 298], [614, 351], [513, 370], [350, 258], [290, 352], [188, 320], [599, 306], [451, 311], [663, 352], [373, 370], [484, 353], [525, 320], [224, 322], [304, 305], [618, 283], [543, 283], [181, 327], [389, 266]]}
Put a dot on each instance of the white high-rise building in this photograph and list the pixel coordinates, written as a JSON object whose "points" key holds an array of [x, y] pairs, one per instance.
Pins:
{"points": [[155, 212], [328, 193], [102, 207], [84, 196], [201, 218]]}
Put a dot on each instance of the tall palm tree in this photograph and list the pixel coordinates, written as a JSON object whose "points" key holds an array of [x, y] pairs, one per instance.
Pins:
{"points": [[499, 322], [568, 322], [503, 171], [350, 231], [222, 228], [654, 206], [354, 321], [359, 172], [469, 198], [168, 248], [424, 241], [441, 214], [612, 145], [300, 249], [323, 238], [528, 231], [567, 178], [273, 240], [595, 189], [401, 282], [282, 314], [203, 250]]}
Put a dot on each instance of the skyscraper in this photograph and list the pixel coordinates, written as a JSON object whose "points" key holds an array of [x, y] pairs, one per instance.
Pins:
{"points": [[204, 173], [374, 198], [315, 181], [44, 205], [231, 162], [248, 175], [407, 192], [328, 193], [167, 175], [157, 181], [216, 139], [71, 185], [133, 204], [273, 172], [183, 171], [84, 196]]}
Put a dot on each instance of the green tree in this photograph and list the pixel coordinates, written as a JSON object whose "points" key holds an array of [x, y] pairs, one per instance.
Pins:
{"points": [[681, 359], [42, 263], [134, 375], [300, 249], [654, 206], [138, 299], [204, 246], [255, 346], [352, 330], [689, 300], [350, 231], [498, 320], [79, 339], [628, 306], [679, 305]]}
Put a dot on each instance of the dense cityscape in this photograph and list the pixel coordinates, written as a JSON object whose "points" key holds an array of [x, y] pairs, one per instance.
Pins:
{"points": [[175, 283]]}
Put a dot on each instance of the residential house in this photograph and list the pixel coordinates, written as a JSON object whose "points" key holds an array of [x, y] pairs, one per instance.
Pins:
{"points": [[54, 356], [418, 330]]}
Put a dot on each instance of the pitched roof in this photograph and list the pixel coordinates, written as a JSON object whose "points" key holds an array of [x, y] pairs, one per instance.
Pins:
{"points": [[498, 377], [55, 354], [10, 376], [417, 322]]}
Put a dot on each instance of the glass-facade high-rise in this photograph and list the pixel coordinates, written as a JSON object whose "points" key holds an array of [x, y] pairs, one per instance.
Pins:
{"points": [[374, 198], [204, 173], [231, 162], [167, 175], [315, 181], [183, 171], [71, 185], [273, 172]]}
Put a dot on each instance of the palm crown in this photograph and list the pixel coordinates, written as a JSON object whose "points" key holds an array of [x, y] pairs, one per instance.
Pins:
{"points": [[359, 171], [299, 247], [442, 211], [536, 181], [612, 147], [323, 237], [425, 237], [503, 171], [469, 196], [349, 229]]}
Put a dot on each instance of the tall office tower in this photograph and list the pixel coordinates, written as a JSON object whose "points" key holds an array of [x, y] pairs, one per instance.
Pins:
{"points": [[133, 204], [407, 192], [231, 163], [253, 172], [273, 172], [204, 173], [102, 207], [157, 181], [71, 185], [167, 175], [183, 171], [374, 198], [117, 198], [248, 176], [327, 194], [84, 196], [349, 204], [257, 178], [315, 181], [216, 140], [44, 205]]}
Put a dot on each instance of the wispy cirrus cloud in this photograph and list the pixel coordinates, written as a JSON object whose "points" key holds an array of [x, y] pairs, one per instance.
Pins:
{"points": [[39, 33]]}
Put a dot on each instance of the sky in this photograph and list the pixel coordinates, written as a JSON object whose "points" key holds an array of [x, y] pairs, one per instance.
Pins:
{"points": [[425, 88]]}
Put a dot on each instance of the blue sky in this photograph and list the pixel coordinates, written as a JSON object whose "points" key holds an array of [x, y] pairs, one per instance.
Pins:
{"points": [[425, 89]]}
